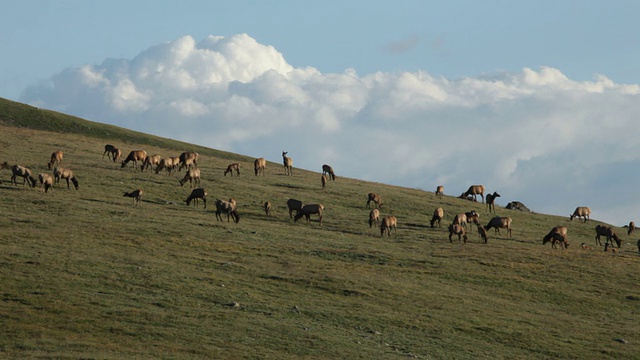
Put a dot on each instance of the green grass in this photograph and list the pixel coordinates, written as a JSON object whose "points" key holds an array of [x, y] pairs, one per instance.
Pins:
{"points": [[85, 274]]}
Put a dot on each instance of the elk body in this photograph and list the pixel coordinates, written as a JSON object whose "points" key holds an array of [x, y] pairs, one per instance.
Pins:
{"points": [[557, 234], [491, 198], [56, 159], [197, 193], [134, 156], [192, 176], [328, 170], [375, 198], [68, 175], [231, 168], [389, 222], [309, 210], [259, 166], [581, 212], [474, 190], [227, 207], [288, 163], [135, 194]]}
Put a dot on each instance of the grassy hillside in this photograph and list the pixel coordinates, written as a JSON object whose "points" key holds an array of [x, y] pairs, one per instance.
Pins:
{"points": [[85, 274]]}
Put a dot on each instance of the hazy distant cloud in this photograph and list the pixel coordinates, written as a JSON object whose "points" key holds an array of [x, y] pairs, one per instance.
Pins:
{"points": [[402, 45], [535, 136]]}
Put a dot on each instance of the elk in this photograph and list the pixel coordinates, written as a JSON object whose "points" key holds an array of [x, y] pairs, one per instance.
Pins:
{"points": [[483, 233], [135, 156], [227, 207], [135, 194], [323, 181], [500, 223], [188, 159], [288, 163], [46, 182], [112, 152], [197, 193], [491, 198], [438, 214], [439, 191], [632, 228], [455, 229], [557, 234], [56, 159], [267, 208], [374, 217], [474, 190], [581, 212], [460, 219], [609, 233], [150, 161], [192, 176], [21, 171], [61, 173], [231, 168], [259, 166], [387, 223], [294, 204], [375, 198], [326, 169], [169, 164], [309, 210]]}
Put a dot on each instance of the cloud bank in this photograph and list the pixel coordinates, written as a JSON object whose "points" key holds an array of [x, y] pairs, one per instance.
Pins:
{"points": [[535, 136]]}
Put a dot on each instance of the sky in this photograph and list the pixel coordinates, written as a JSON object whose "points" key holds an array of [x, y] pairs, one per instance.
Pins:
{"points": [[536, 100]]}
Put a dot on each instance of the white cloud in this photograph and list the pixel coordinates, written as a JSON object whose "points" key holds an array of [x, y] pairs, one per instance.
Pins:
{"points": [[535, 136]]}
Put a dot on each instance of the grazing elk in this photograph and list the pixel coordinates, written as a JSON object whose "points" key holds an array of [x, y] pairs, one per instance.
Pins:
{"points": [[112, 152], [61, 173], [473, 191], [387, 223], [288, 163], [192, 176], [557, 234], [374, 217], [169, 164], [231, 168], [439, 191], [56, 159], [150, 161], [21, 171], [134, 156], [188, 159], [500, 223], [455, 229], [197, 193], [135, 194], [609, 233], [581, 212], [229, 208], [46, 182], [438, 215], [259, 166], [294, 205], [309, 210], [375, 198], [491, 198], [326, 169]]}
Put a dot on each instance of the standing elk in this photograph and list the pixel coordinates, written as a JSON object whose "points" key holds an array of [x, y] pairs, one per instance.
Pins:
{"points": [[455, 229], [581, 212], [474, 190], [323, 181], [483, 233], [188, 159], [135, 156], [46, 182], [557, 234], [294, 205], [267, 208], [192, 176], [387, 223], [326, 169], [61, 173], [491, 198], [259, 166], [500, 223], [135, 194], [231, 168], [438, 215], [439, 191], [309, 210], [632, 228], [288, 163], [229, 208], [56, 159], [197, 193], [375, 198], [374, 217], [609, 233]]}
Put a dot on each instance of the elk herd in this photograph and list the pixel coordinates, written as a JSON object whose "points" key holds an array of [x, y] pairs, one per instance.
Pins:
{"points": [[389, 223]]}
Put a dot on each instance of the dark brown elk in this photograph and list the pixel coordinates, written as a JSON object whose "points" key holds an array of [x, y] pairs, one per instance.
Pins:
{"points": [[259, 166], [491, 199], [135, 194], [557, 234], [309, 210], [609, 233], [294, 205], [581, 212], [288, 163], [56, 159], [439, 191], [134, 156], [68, 175], [438, 215], [326, 169], [231, 168], [500, 223], [389, 222], [374, 217], [455, 229], [112, 152], [473, 191], [375, 198], [197, 193], [192, 176], [229, 208], [632, 228]]}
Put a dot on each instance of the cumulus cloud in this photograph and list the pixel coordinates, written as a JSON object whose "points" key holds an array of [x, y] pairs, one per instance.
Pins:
{"points": [[536, 136]]}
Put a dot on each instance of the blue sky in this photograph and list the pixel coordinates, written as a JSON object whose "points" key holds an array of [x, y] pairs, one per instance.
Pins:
{"points": [[514, 95]]}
